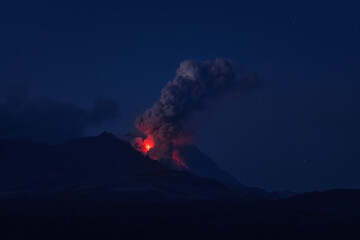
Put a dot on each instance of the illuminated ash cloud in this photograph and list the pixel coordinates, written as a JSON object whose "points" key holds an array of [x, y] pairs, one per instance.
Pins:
{"points": [[192, 89]]}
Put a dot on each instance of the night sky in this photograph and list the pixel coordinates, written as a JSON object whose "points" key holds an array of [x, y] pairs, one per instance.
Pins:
{"points": [[77, 68]]}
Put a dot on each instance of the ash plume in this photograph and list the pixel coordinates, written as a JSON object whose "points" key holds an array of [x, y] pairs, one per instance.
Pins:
{"points": [[195, 85]]}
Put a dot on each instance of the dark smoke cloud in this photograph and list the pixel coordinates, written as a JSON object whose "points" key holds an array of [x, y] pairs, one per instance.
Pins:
{"points": [[193, 88], [43, 119]]}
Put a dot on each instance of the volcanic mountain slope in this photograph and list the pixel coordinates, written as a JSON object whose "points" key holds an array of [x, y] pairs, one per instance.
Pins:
{"points": [[196, 162], [98, 164], [202, 165]]}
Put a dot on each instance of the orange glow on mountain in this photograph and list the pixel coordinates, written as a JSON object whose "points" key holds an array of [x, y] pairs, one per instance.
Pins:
{"points": [[147, 144], [178, 161]]}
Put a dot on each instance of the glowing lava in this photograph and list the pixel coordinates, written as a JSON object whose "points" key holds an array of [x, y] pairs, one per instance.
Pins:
{"points": [[143, 145], [178, 160], [148, 143]]}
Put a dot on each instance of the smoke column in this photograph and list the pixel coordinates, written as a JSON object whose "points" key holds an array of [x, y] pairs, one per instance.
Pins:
{"points": [[192, 89]]}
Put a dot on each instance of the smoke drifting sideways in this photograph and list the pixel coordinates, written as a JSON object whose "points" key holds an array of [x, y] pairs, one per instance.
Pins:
{"points": [[46, 120], [195, 86]]}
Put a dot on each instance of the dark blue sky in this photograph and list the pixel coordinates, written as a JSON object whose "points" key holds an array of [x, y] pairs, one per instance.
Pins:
{"points": [[299, 132]]}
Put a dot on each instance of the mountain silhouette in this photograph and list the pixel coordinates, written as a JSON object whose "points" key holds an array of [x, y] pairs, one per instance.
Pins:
{"points": [[102, 164]]}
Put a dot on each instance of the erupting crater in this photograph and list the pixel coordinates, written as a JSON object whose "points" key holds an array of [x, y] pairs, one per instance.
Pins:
{"points": [[145, 145]]}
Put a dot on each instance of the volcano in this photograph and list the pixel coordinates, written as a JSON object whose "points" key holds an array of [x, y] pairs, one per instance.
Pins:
{"points": [[186, 157], [104, 164]]}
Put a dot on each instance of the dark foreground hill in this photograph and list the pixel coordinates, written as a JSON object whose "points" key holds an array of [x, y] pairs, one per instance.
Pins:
{"points": [[118, 217], [336, 201], [100, 188]]}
